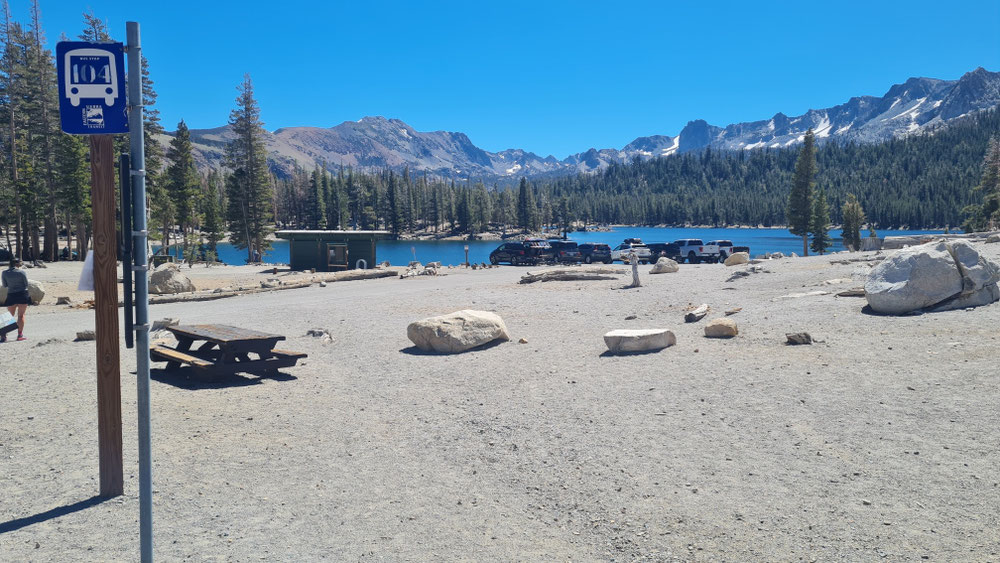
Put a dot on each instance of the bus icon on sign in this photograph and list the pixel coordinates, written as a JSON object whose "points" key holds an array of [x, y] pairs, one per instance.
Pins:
{"points": [[91, 73]]}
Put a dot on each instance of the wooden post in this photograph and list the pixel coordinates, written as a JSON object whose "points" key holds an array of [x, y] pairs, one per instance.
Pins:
{"points": [[109, 403]]}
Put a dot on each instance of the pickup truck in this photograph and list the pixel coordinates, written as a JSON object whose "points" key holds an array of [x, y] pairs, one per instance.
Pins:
{"points": [[719, 250], [693, 250]]}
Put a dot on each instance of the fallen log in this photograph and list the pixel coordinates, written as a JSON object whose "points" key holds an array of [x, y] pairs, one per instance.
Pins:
{"points": [[697, 314], [571, 274]]}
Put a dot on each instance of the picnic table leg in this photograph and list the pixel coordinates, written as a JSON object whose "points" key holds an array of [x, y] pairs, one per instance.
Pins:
{"points": [[183, 345]]}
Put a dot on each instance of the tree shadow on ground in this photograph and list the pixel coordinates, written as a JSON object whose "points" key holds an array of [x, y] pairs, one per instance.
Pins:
{"points": [[187, 378], [414, 351], [18, 523]]}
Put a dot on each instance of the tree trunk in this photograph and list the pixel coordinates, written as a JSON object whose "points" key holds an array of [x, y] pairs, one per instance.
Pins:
{"points": [[69, 236], [805, 245]]}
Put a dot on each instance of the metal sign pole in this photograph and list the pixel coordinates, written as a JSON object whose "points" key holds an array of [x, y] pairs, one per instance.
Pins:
{"points": [[139, 235]]}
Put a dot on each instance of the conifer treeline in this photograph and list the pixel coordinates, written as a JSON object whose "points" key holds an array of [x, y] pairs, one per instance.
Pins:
{"points": [[921, 181], [44, 174]]}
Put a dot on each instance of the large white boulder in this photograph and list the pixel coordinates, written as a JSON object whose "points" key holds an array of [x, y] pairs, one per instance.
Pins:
{"points": [[35, 290], [457, 332], [639, 340], [664, 266], [169, 280], [737, 258], [936, 276]]}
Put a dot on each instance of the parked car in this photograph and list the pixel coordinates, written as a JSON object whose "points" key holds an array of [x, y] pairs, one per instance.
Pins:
{"points": [[718, 250], [661, 249], [565, 251], [595, 252], [621, 252], [540, 249], [522, 252], [692, 250]]}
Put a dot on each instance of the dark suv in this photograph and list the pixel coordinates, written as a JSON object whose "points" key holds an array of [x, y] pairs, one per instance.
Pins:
{"points": [[658, 250], [565, 251], [526, 252], [595, 252]]}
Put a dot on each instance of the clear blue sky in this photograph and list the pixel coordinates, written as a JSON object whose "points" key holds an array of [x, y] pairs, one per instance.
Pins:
{"points": [[552, 78]]}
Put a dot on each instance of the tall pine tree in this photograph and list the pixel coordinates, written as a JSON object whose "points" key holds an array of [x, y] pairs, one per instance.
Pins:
{"points": [[800, 205], [249, 187]]}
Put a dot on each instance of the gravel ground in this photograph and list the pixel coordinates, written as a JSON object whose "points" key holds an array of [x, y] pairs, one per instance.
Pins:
{"points": [[879, 441]]}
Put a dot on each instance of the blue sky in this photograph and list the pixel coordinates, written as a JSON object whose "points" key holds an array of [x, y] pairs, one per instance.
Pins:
{"points": [[550, 77]]}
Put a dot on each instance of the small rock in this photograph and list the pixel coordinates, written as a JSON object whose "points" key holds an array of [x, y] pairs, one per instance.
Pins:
{"points": [[433, 264], [63, 301], [721, 328], [522, 341], [798, 338], [322, 284], [866, 502], [856, 292], [631, 318], [317, 332], [733, 311], [993, 238], [85, 335]]}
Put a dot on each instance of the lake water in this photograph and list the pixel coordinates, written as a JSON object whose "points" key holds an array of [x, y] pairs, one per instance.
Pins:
{"points": [[401, 252]]}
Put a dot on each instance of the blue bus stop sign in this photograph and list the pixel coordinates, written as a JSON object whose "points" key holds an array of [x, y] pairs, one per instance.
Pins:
{"points": [[91, 87]]}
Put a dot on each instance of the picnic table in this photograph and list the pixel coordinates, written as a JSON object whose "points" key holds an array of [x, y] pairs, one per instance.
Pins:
{"points": [[225, 350]]}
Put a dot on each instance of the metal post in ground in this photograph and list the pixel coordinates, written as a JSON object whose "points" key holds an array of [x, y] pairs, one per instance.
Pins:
{"points": [[139, 235]]}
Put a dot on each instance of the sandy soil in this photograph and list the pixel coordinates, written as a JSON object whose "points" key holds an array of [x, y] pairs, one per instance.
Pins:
{"points": [[879, 442]]}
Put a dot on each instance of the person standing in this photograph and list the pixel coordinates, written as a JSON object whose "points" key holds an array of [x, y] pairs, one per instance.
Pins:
{"points": [[18, 299]]}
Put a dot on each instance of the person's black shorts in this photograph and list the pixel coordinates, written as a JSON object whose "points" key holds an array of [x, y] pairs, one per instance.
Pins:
{"points": [[18, 298]]}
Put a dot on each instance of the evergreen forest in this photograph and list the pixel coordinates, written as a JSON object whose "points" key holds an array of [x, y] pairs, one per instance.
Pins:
{"points": [[926, 180]]}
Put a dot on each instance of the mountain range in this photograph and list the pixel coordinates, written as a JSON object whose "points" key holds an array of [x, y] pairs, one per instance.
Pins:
{"points": [[378, 142]]}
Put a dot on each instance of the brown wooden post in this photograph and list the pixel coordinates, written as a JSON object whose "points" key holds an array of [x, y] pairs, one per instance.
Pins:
{"points": [[109, 403]]}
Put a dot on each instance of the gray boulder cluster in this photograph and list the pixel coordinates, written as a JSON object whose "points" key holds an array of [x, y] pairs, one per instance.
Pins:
{"points": [[937, 276]]}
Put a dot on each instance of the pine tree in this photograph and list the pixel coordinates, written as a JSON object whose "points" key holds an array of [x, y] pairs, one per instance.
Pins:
{"points": [[986, 216], [249, 188], [73, 179], [853, 217], [182, 181], [820, 226], [44, 126], [527, 212], [316, 207], [800, 206], [212, 209]]}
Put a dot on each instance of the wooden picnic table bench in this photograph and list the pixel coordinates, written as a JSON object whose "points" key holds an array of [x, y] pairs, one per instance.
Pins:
{"points": [[225, 350]]}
